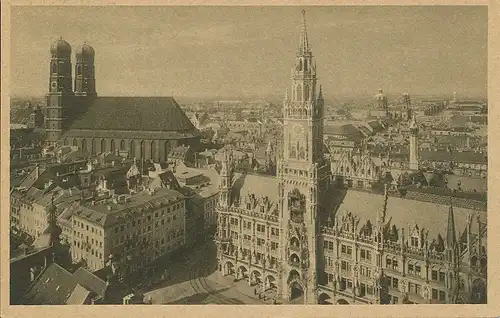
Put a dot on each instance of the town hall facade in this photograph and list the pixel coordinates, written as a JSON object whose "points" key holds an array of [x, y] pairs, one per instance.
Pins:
{"points": [[301, 235]]}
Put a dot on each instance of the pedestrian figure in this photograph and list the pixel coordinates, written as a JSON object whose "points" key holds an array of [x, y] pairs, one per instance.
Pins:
{"points": [[264, 297], [255, 291]]}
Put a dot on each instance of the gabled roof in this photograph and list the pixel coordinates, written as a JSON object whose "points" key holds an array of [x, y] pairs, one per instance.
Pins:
{"points": [[134, 113]]}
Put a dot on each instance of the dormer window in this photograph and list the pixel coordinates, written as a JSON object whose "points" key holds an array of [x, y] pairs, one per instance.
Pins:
{"points": [[262, 209]]}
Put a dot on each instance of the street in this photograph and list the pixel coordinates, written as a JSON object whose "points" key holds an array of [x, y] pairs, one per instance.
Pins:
{"points": [[195, 280]]}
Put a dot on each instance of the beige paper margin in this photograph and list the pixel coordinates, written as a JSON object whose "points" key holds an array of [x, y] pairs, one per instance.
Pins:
{"points": [[195, 311]]}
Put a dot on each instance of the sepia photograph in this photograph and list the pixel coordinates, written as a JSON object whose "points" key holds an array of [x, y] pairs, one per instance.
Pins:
{"points": [[248, 155]]}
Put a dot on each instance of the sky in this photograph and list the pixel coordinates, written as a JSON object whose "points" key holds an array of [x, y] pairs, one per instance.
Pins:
{"points": [[249, 51]]}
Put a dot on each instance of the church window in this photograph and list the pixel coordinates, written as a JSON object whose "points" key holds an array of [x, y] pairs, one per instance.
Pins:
{"points": [[122, 144], [79, 70], [166, 149], [103, 145], [151, 150], [84, 144], [305, 65], [74, 142], [112, 146], [132, 149], [54, 67], [306, 92], [143, 149]]}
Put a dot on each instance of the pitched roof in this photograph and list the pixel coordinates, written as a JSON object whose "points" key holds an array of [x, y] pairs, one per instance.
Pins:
{"points": [[404, 212], [89, 281], [55, 285], [78, 296], [258, 185], [134, 113]]}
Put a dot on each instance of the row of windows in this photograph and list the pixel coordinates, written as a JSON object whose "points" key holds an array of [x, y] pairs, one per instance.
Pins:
{"points": [[91, 241], [132, 146], [138, 222], [87, 227]]}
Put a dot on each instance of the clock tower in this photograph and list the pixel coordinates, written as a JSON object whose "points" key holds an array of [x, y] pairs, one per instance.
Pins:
{"points": [[304, 177]]}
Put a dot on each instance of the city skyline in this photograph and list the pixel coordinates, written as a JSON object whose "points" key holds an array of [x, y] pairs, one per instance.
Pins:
{"points": [[253, 60]]}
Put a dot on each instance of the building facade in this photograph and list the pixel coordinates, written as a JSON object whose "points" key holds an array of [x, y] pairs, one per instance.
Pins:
{"points": [[301, 234], [145, 127], [141, 227]]}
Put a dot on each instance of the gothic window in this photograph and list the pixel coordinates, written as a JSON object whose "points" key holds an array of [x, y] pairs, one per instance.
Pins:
{"points": [[93, 146], [166, 149], [151, 150], [54, 67], [305, 65], [74, 142], [112, 146], [132, 149], [122, 144], [103, 145], [84, 144], [143, 149], [79, 70], [298, 95], [306, 92]]}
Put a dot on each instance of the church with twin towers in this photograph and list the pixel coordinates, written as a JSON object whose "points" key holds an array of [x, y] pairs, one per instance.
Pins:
{"points": [[144, 127], [303, 237]]}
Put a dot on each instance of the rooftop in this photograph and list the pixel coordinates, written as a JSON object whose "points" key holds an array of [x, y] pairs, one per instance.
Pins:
{"points": [[109, 212], [134, 113], [55, 285], [430, 216]]}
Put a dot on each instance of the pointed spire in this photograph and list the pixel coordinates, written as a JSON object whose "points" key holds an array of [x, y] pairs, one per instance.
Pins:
{"points": [[451, 238], [304, 43]]}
